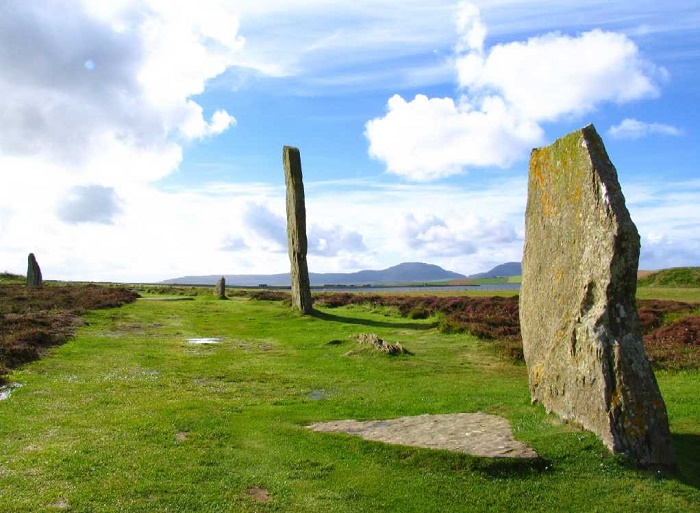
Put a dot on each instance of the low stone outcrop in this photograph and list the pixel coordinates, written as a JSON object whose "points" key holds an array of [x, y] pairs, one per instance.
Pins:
{"points": [[296, 230], [33, 272], [581, 335]]}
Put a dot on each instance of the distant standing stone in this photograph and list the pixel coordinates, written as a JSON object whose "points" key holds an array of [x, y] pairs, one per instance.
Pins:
{"points": [[220, 288], [33, 272], [296, 230], [581, 334]]}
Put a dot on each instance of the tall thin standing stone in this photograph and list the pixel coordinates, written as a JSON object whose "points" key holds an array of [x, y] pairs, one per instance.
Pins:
{"points": [[220, 288], [578, 316], [33, 272], [296, 230]]}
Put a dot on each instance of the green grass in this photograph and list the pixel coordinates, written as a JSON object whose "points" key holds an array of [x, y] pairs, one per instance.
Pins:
{"points": [[685, 294], [674, 277], [129, 417], [6, 278]]}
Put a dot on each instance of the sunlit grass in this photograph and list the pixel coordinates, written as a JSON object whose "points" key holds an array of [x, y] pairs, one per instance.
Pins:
{"points": [[128, 416]]}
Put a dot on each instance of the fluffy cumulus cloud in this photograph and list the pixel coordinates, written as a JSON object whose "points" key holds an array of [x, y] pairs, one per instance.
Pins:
{"points": [[431, 138], [268, 230], [458, 236], [634, 129], [507, 93], [666, 215], [97, 101], [79, 77], [90, 204], [331, 242], [233, 243]]}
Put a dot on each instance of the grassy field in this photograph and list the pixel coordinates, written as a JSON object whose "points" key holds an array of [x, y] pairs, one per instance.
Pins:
{"points": [[129, 416]]}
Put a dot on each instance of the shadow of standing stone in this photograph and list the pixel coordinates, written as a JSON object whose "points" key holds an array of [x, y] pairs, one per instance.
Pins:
{"points": [[33, 272], [296, 230], [581, 335]]}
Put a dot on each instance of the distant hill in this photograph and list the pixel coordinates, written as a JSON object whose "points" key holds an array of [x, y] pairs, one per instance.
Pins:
{"points": [[674, 277], [408, 272], [507, 269]]}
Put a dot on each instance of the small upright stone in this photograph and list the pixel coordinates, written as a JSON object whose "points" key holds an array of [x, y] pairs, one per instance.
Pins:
{"points": [[578, 316], [33, 272], [220, 288], [296, 230]]}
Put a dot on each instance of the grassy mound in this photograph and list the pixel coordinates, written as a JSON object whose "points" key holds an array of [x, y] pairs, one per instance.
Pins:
{"points": [[6, 278], [676, 277]]}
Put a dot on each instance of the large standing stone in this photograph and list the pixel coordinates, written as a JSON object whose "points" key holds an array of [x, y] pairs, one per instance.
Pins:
{"points": [[296, 230], [581, 334], [220, 288], [33, 272]]}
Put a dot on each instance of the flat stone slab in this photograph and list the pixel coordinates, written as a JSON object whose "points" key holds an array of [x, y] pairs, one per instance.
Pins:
{"points": [[478, 434]]}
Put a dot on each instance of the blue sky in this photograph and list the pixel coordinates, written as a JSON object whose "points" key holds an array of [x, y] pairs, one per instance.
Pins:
{"points": [[142, 139]]}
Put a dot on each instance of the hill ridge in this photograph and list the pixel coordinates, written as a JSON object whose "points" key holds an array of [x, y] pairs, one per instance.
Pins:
{"points": [[406, 272]]}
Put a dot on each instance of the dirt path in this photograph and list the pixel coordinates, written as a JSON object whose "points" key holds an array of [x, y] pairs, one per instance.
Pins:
{"points": [[478, 434]]}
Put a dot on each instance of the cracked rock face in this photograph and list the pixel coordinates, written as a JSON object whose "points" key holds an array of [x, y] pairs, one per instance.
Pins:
{"points": [[296, 230], [581, 335]]}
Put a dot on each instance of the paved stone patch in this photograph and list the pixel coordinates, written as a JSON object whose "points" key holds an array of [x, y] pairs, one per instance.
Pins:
{"points": [[478, 434]]}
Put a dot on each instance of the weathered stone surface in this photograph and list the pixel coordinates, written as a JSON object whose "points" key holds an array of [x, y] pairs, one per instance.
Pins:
{"points": [[581, 335], [296, 230], [33, 272], [478, 434], [220, 288]]}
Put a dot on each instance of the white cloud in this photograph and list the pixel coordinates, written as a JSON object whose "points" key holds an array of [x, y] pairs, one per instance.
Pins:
{"points": [[631, 128], [240, 229], [462, 229], [555, 75], [666, 215], [104, 97], [90, 204], [335, 241], [233, 243], [458, 236], [74, 80], [431, 138], [269, 230], [96, 101], [267, 227], [347, 44], [195, 127], [508, 92]]}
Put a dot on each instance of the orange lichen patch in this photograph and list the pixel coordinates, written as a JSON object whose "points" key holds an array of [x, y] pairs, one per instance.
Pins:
{"points": [[559, 276], [540, 175], [537, 374]]}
